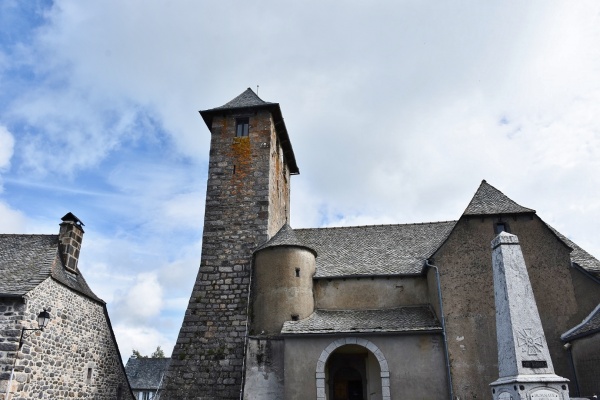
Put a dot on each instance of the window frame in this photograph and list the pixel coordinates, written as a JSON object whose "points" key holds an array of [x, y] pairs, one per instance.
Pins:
{"points": [[242, 127]]}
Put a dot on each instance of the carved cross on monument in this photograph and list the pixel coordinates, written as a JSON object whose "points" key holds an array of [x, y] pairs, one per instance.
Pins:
{"points": [[524, 364]]}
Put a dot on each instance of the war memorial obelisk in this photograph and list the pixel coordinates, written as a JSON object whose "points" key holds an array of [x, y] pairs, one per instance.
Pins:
{"points": [[524, 365]]}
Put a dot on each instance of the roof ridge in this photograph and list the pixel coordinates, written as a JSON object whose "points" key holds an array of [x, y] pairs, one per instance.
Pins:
{"points": [[29, 234], [376, 309], [377, 225]]}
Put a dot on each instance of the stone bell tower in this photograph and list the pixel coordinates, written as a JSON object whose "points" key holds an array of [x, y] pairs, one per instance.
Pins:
{"points": [[247, 202]]}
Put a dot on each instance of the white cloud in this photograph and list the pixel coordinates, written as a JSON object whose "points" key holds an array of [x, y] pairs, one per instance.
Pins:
{"points": [[7, 143], [139, 302], [11, 220], [143, 339]]}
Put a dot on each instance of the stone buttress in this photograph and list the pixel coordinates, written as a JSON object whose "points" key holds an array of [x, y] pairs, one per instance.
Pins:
{"points": [[247, 202]]}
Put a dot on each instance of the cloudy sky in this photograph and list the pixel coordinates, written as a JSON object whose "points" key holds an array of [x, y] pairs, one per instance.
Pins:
{"points": [[396, 111]]}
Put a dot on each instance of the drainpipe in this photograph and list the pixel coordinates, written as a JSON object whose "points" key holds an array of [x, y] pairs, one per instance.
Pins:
{"points": [[439, 290], [568, 347], [246, 332]]}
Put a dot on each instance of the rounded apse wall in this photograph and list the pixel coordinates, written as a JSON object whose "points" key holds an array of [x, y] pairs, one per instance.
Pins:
{"points": [[283, 287]]}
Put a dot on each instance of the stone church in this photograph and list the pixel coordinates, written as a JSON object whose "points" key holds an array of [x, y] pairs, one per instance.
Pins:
{"points": [[371, 312]]}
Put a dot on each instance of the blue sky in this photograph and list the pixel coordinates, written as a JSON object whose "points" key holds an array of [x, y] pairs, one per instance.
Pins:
{"points": [[396, 111]]}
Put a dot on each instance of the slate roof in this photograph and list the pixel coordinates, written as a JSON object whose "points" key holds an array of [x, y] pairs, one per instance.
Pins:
{"points": [[146, 373], [402, 319], [245, 100], [579, 256], [589, 326], [250, 100], [27, 260], [372, 250], [489, 200], [285, 237]]}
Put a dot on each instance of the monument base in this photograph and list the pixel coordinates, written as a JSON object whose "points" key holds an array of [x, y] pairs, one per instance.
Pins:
{"points": [[531, 387]]}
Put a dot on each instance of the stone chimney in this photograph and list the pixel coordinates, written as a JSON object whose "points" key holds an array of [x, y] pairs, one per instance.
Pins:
{"points": [[70, 237]]}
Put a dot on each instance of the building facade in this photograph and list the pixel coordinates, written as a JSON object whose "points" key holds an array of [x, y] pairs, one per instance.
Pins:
{"points": [[373, 312], [76, 355], [145, 376]]}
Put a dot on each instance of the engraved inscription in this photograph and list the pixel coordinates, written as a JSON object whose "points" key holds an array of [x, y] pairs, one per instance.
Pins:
{"points": [[534, 364], [544, 394], [529, 342]]}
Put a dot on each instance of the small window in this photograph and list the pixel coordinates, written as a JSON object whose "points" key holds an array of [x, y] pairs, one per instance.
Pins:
{"points": [[297, 272], [89, 374], [295, 317], [241, 127], [500, 227]]}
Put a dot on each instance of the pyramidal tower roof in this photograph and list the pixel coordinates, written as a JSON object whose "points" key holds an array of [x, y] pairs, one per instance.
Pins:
{"points": [[489, 200], [285, 237], [248, 101]]}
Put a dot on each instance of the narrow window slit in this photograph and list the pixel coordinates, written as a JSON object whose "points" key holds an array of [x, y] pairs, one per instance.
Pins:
{"points": [[297, 272]]}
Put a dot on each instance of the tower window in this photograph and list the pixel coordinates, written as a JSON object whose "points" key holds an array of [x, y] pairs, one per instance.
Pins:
{"points": [[297, 272], [241, 127], [295, 317]]}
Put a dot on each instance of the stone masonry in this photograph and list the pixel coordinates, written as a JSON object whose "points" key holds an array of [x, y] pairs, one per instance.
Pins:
{"points": [[11, 312], [74, 357], [247, 201]]}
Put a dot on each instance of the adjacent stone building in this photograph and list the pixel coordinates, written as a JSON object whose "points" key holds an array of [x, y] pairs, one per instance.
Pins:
{"points": [[76, 355], [373, 312], [146, 375]]}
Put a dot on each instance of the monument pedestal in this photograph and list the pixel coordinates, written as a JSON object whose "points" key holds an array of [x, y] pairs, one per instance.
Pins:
{"points": [[531, 387]]}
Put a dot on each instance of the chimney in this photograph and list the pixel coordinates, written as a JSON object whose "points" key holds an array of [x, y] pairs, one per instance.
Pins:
{"points": [[70, 237]]}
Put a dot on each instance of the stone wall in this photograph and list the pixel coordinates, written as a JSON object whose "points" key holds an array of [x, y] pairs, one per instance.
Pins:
{"points": [[264, 369], [283, 286], [586, 360], [413, 365], [246, 203], [11, 313], [370, 293], [74, 357], [465, 265]]}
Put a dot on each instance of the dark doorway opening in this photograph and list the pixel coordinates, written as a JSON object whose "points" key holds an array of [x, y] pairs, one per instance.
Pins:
{"points": [[347, 373]]}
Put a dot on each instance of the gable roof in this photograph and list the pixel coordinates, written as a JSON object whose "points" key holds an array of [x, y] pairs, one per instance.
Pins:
{"points": [[27, 260], [368, 250], [247, 101], [402, 319], [489, 200], [146, 373], [589, 326]]}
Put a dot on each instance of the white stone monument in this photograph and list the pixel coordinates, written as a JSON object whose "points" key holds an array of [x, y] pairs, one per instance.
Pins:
{"points": [[524, 365]]}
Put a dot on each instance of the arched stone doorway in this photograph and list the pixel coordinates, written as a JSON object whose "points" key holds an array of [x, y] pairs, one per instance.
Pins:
{"points": [[346, 365]]}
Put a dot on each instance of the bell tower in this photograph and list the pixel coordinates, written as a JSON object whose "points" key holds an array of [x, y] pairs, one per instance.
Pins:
{"points": [[247, 202]]}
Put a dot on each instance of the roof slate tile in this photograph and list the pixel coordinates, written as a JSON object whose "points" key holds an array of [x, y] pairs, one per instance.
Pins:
{"points": [[402, 319], [489, 200], [589, 326], [375, 249], [27, 260], [146, 373]]}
